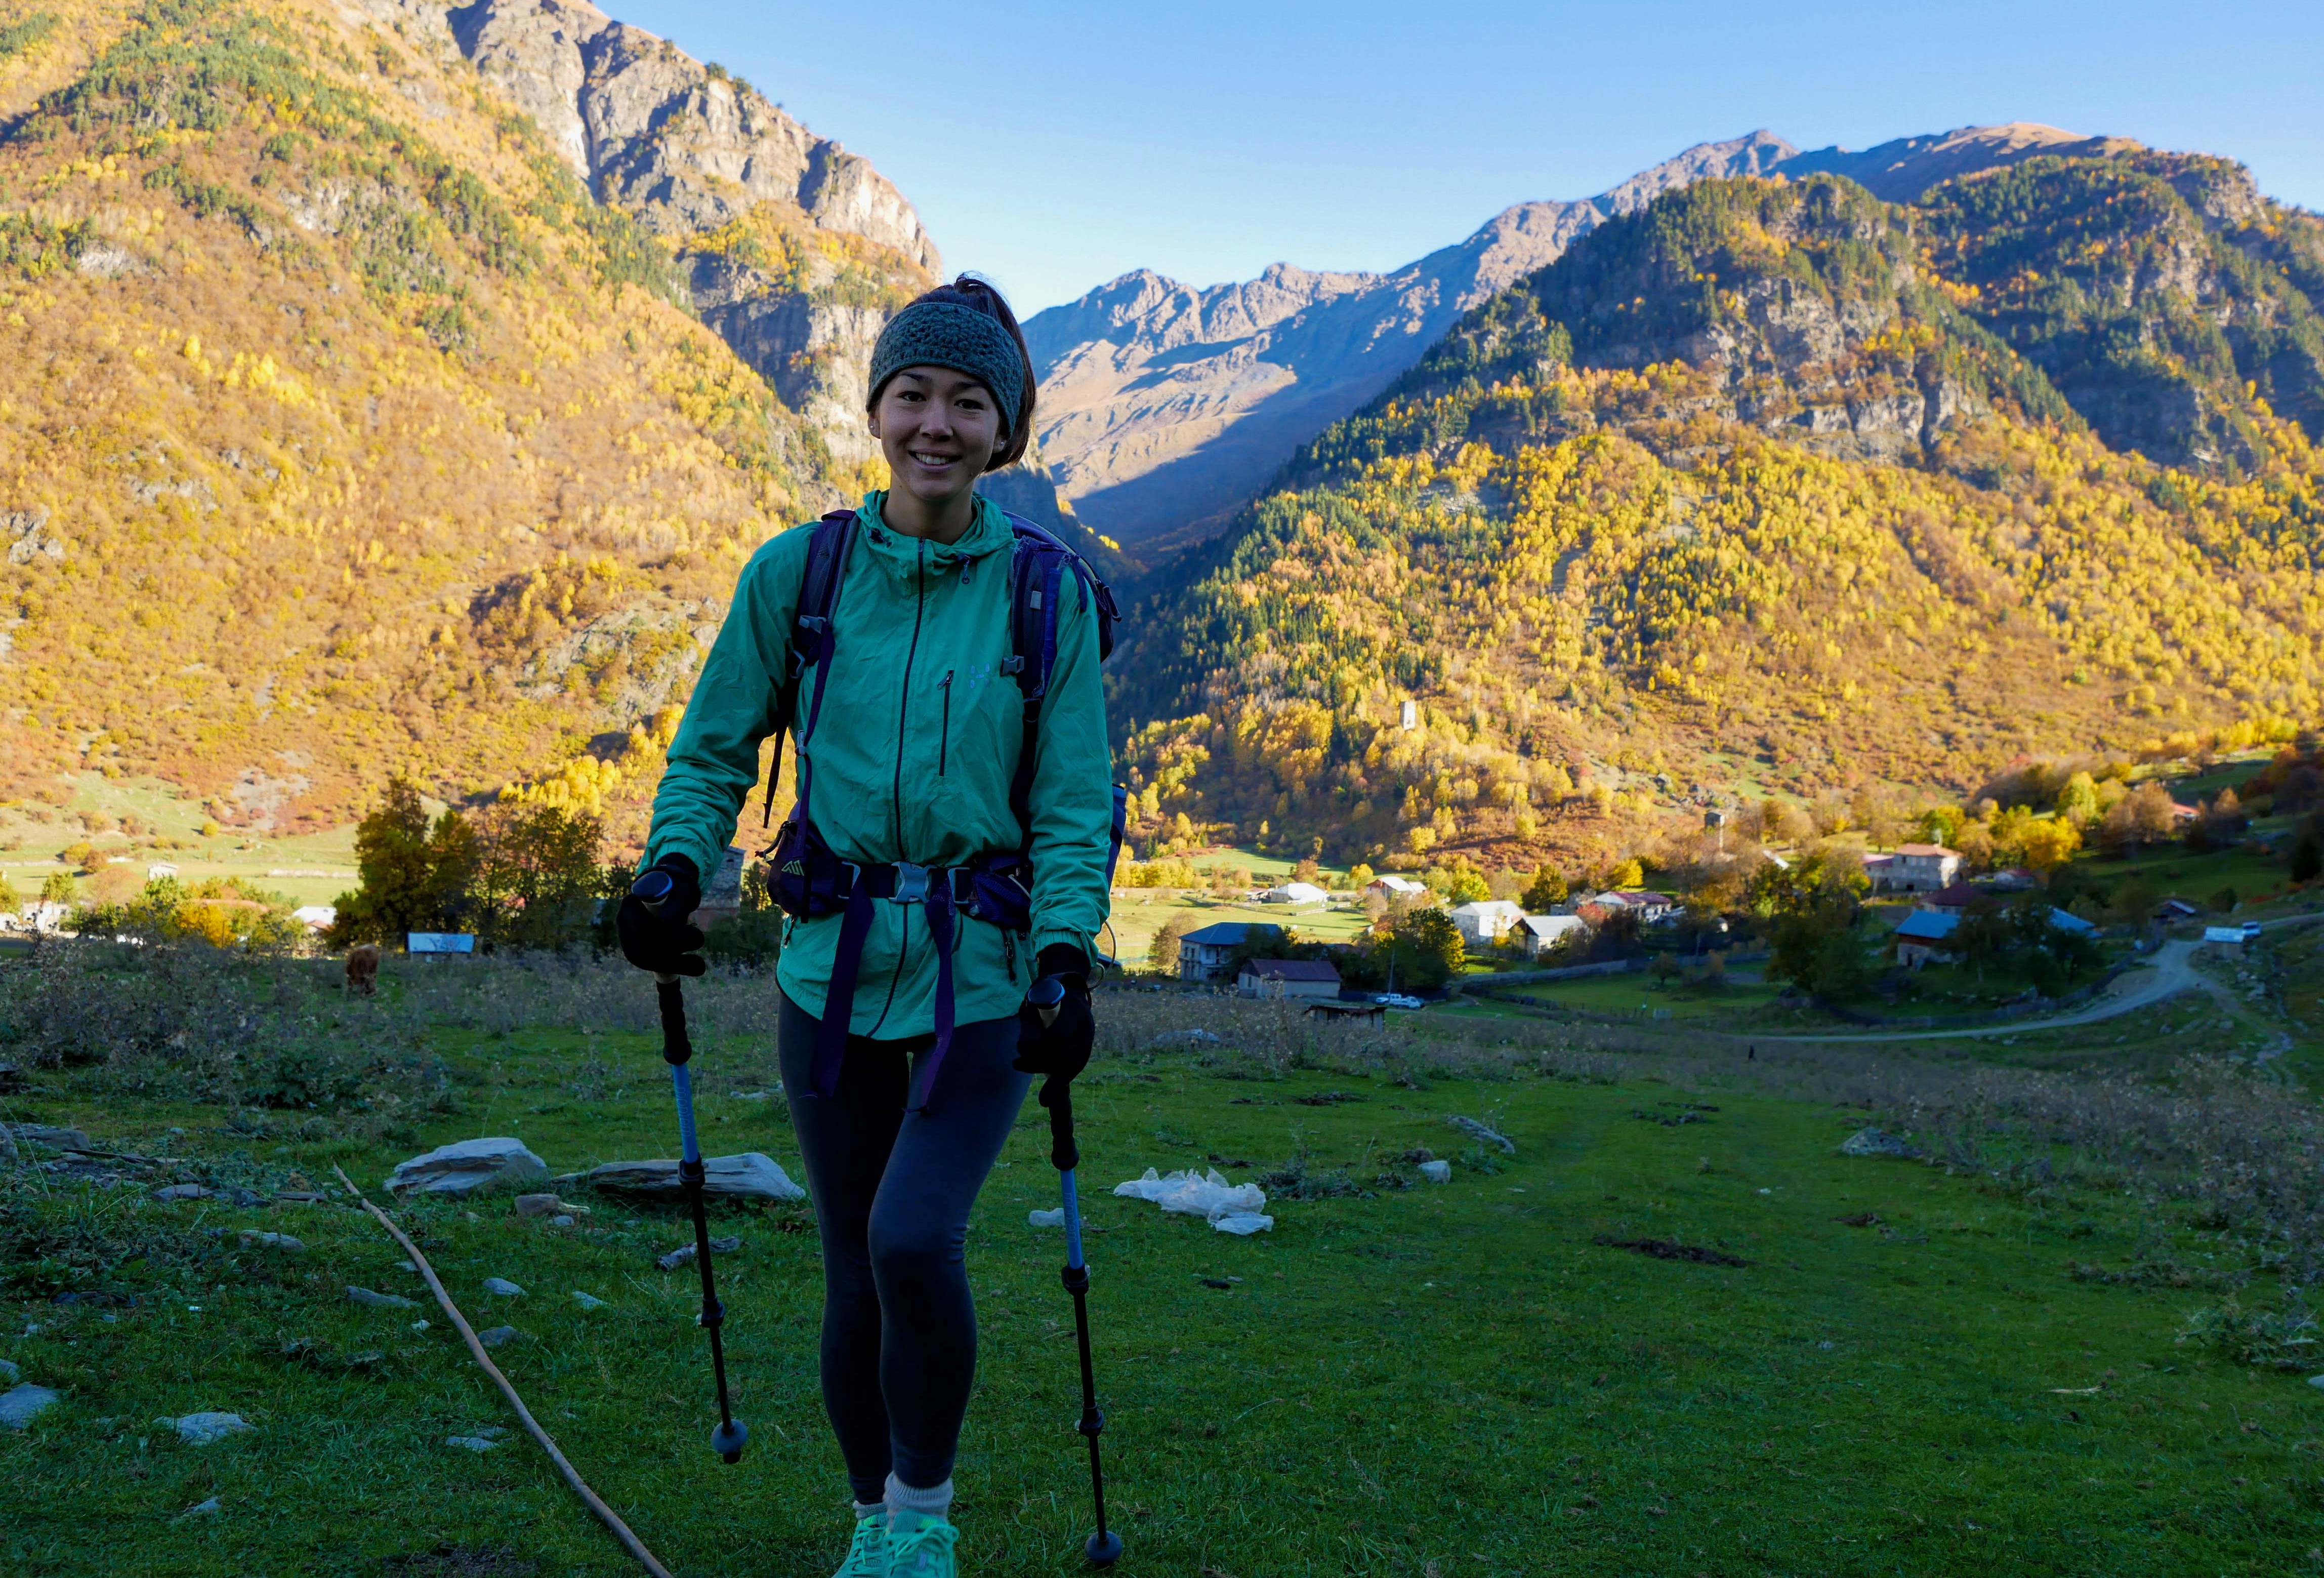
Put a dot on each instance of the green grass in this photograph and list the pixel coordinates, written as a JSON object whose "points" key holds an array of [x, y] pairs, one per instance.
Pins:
{"points": [[1427, 1382], [29, 845]]}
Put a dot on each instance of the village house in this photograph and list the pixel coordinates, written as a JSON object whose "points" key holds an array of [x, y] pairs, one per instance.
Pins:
{"points": [[1487, 921], [1925, 934], [1208, 955], [1918, 868], [1297, 893], [1535, 935], [1956, 898], [1390, 886], [1649, 906], [1294, 978]]}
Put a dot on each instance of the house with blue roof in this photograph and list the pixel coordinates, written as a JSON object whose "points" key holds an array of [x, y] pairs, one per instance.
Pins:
{"points": [[1209, 954]]}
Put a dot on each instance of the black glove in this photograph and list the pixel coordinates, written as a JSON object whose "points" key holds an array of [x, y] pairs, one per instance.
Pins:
{"points": [[1056, 1028], [661, 938]]}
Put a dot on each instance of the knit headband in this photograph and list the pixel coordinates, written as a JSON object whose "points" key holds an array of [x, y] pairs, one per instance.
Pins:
{"points": [[947, 334]]}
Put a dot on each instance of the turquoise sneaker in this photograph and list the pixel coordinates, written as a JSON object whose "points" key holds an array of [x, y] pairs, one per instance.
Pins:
{"points": [[867, 1552], [924, 1551]]}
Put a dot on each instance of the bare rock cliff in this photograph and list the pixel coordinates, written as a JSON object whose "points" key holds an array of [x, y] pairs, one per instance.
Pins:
{"points": [[792, 249], [681, 146]]}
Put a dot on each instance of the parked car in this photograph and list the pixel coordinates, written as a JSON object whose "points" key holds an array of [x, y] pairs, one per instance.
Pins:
{"points": [[2251, 929], [1395, 1000]]}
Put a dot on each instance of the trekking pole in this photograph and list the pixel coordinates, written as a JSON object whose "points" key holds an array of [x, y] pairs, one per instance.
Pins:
{"points": [[1103, 1548], [652, 891]]}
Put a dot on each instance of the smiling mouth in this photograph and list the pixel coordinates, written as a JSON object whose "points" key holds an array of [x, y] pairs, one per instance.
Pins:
{"points": [[932, 462]]}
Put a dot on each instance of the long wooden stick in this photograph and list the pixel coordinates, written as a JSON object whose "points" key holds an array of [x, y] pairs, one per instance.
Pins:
{"points": [[606, 1514]]}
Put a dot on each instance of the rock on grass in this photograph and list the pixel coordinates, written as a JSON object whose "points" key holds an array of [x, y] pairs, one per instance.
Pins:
{"points": [[466, 1166], [20, 1406]]}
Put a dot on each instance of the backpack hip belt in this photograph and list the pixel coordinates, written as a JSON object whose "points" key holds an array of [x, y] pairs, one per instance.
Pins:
{"points": [[807, 881]]}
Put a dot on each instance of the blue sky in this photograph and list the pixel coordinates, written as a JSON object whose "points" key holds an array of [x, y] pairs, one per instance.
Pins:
{"points": [[1055, 146]]}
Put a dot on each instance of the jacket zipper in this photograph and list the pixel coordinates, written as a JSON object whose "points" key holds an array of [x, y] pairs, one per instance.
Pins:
{"points": [[903, 713], [943, 740]]}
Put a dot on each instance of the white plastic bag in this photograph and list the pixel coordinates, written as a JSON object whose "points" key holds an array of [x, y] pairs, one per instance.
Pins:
{"points": [[1236, 1208]]}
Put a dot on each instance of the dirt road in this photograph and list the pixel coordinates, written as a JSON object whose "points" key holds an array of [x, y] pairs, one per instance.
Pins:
{"points": [[2167, 971]]}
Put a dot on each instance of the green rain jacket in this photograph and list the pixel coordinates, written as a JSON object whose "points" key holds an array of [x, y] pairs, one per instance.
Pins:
{"points": [[912, 759]]}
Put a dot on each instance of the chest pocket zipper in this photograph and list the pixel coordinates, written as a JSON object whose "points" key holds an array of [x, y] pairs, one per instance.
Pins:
{"points": [[943, 740]]}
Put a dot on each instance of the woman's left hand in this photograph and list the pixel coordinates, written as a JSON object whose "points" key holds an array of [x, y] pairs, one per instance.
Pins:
{"points": [[1057, 1028]]}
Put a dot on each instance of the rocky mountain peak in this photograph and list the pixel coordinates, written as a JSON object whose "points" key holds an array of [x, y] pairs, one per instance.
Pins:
{"points": [[684, 146]]}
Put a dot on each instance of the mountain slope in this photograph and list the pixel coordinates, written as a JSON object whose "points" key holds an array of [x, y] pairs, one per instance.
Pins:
{"points": [[341, 432], [1749, 489], [1166, 407]]}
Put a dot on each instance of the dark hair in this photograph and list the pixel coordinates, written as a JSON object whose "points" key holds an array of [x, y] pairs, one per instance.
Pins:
{"points": [[970, 290]]}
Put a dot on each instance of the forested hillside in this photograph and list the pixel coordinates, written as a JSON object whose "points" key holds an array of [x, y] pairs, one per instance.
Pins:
{"points": [[365, 408], [1773, 485]]}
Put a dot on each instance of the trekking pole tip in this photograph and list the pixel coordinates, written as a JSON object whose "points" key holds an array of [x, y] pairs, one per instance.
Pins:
{"points": [[727, 1440], [1104, 1550]]}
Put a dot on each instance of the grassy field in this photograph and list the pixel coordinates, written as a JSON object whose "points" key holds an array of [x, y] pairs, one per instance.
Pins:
{"points": [[312, 869], [1905, 1375]]}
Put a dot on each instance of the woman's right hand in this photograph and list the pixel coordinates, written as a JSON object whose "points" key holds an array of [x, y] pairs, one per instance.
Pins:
{"points": [[656, 931]]}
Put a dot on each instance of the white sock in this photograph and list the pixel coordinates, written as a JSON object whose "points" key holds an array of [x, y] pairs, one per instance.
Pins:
{"points": [[923, 1505], [864, 1509]]}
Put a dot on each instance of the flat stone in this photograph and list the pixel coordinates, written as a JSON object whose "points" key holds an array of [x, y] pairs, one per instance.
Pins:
{"points": [[177, 1191], [202, 1429], [282, 1241], [365, 1297], [466, 1166], [1479, 1132], [208, 1509], [587, 1302], [1436, 1172], [473, 1443], [9, 1372], [497, 1335], [502, 1287], [1874, 1142], [43, 1134], [546, 1205], [747, 1177], [20, 1406]]}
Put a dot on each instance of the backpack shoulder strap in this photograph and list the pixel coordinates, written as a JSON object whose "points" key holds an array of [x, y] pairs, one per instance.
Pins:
{"points": [[1038, 563], [827, 552]]}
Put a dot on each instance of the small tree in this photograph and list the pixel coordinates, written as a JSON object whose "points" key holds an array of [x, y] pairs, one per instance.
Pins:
{"points": [[1162, 953], [536, 873], [414, 874], [1427, 949], [2078, 801], [2144, 816], [59, 888], [2307, 859], [1817, 949], [1545, 892]]}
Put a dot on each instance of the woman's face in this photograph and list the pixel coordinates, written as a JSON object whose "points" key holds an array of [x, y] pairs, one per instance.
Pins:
{"points": [[938, 428]]}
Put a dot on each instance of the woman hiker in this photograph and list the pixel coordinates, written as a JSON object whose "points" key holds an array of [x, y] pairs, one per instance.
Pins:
{"points": [[932, 903]]}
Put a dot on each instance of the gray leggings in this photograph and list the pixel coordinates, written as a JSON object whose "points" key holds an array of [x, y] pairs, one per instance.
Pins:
{"points": [[892, 1192]]}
